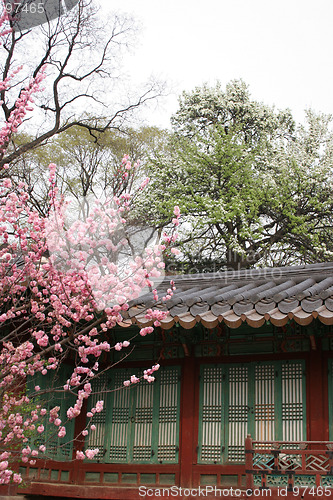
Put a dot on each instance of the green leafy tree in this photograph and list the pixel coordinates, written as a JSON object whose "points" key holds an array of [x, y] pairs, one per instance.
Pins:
{"points": [[87, 165], [253, 188]]}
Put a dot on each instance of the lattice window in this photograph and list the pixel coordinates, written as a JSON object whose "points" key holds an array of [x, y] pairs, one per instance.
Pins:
{"points": [[264, 399], [143, 422], [293, 414], [139, 423], [96, 439], [211, 414], [238, 412], [57, 448], [236, 453], [264, 407], [168, 416]]}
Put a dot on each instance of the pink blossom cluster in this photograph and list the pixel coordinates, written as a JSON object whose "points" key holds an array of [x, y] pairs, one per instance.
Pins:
{"points": [[120, 345], [21, 106], [90, 454], [66, 302], [147, 375], [51, 301]]}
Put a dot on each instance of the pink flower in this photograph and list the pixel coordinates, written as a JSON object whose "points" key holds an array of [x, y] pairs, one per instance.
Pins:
{"points": [[85, 433], [17, 478], [91, 453], [144, 183], [3, 465], [62, 432], [144, 331], [99, 406], [80, 455]]}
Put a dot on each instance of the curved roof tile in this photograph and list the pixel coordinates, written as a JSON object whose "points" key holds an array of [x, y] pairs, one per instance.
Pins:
{"points": [[300, 293]]}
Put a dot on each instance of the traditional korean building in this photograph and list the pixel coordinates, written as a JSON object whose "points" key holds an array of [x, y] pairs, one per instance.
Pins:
{"points": [[246, 353]]}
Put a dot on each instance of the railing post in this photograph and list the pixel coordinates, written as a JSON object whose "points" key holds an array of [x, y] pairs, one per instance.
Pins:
{"points": [[249, 462], [330, 457], [290, 486]]}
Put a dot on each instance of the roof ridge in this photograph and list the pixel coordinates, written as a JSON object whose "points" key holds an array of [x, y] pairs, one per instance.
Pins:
{"points": [[323, 269]]}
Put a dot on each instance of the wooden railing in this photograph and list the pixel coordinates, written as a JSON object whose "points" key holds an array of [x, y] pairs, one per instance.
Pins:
{"points": [[93, 474], [288, 463]]}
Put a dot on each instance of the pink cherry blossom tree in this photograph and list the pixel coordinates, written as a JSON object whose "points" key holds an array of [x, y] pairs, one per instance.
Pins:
{"points": [[63, 286]]}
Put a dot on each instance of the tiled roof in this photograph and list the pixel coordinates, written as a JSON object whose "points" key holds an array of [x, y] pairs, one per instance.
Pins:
{"points": [[254, 296]]}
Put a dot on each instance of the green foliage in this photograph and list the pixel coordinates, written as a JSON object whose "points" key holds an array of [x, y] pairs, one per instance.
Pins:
{"points": [[253, 188], [86, 164]]}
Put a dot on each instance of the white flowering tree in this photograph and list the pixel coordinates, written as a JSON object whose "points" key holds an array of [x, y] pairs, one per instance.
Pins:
{"points": [[254, 188]]}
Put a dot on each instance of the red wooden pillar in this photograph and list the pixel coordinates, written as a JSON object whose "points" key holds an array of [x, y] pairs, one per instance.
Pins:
{"points": [[316, 379], [187, 415]]}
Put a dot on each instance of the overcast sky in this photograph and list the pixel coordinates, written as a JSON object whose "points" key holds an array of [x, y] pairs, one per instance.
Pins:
{"points": [[282, 49]]}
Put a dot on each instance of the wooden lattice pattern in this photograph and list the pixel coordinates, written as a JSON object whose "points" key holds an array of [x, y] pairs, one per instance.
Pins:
{"points": [[119, 407], [264, 407], [306, 463], [143, 423], [57, 448], [317, 463], [168, 416], [211, 417], [96, 439], [265, 400], [292, 402], [238, 413], [138, 424]]}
